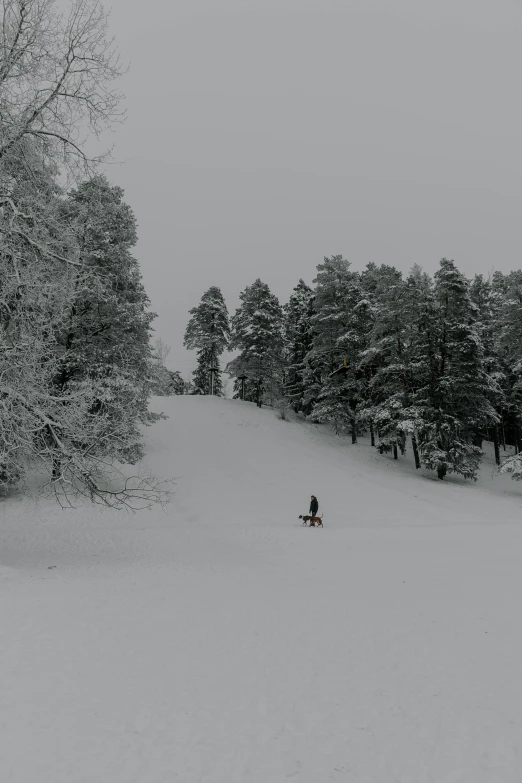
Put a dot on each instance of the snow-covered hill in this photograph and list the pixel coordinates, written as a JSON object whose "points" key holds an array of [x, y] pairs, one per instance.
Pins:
{"points": [[221, 642]]}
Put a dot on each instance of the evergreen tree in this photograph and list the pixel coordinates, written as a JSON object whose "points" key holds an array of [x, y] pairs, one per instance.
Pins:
{"points": [[257, 332], [488, 302], [208, 332], [107, 337], [298, 334], [431, 378], [453, 397], [330, 322], [236, 389], [386, 359], [324, 390], [176, 385], [512, 466], [508, 323], [201, 377], [167, 383], [244, 389], [342, 326]]}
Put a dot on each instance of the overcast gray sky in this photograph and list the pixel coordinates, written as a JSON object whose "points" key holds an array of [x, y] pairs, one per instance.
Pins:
{"points": [[263, 135]]}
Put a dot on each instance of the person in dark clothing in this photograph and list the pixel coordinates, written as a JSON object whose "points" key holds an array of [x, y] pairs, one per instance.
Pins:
{"points": [[314, 506]]}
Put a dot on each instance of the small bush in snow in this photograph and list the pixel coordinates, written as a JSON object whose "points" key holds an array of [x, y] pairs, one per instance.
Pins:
{"points": [[282, 410], [513, 466]]}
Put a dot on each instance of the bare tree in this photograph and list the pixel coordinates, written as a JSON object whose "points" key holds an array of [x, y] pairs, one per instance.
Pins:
{"points": [[161, 351], [57, 73]]}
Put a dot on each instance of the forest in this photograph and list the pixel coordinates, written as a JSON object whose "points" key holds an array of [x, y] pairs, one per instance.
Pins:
{"points": [[434, 363]]}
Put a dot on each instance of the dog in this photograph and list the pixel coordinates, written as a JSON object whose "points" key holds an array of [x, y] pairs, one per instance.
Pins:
{"points": [[314, 521]]}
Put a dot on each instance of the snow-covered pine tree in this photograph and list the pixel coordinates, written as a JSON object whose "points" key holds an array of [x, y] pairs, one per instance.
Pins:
{"points": [[298, 334], [512, 466], [342, 326], [504, 292], [107, 338], [236, 389], [201, 377], [489, 306], [386, 358], [325, 391], [330, 321], [176, 385], [257, 332], [452, 400], [208, 332], [243, 389], [508, 346], [168, 383], [421, 343]]}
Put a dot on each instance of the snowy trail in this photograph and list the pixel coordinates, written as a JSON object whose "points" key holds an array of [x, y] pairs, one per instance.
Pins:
{"points": [[222, 642]]}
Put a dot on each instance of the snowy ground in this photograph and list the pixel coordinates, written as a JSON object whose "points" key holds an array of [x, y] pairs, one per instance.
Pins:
{"points": [[221, 642]]}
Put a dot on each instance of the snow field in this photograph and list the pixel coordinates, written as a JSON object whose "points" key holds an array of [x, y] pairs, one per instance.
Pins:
{"points": [[222, 642]]}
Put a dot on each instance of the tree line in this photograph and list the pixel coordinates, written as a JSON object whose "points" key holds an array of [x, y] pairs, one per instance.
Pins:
{"points": [[431, 363], [76, 363]]}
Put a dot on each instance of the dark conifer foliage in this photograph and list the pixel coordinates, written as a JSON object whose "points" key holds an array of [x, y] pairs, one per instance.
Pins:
{"points": [[257, 332], [431, 364], [299, 338], [208, 332], [415, 359]]}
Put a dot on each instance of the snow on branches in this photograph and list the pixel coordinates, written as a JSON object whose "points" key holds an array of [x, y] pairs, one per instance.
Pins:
{"points": [[257, 332], [208, 332], [74, 318]]}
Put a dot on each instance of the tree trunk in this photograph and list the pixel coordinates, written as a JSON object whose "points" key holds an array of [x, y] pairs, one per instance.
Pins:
{"points": [[57, 467], [415, 452], [354, 431], [372, 434], [477, 439], [502, 430], [258, 394], [395, 455], [496, 444]]}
